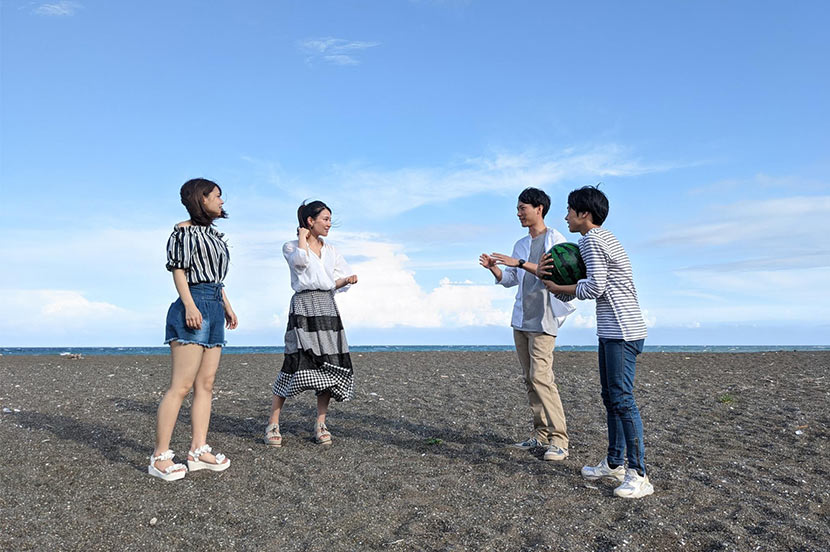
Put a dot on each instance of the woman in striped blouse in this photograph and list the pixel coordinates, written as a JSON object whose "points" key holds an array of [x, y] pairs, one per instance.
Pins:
{"points": [[198, 258]]}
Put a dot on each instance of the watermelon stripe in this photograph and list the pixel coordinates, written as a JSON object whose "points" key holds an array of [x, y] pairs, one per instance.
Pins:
{"points": [[568, 266]]}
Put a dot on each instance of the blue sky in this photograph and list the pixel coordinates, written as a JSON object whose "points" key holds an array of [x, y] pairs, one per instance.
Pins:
{"points": [[419, 122]]}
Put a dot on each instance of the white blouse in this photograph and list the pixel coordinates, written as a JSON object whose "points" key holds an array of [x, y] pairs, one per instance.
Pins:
{"points": [[308, 271]]}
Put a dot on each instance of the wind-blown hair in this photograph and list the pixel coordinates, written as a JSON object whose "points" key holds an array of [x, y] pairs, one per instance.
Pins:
{"points": [[312, 210], [193, 192]]}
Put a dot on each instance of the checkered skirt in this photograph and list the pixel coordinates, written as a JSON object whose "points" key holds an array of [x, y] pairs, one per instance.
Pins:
{"points": [[316, 352]]}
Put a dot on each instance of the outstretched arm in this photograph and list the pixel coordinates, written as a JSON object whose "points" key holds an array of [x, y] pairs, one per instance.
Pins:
{"points": [[489, 263]]}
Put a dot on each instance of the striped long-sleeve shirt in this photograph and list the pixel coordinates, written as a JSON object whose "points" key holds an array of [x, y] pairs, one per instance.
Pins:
{"points": [[611, 282], [200, 251]]}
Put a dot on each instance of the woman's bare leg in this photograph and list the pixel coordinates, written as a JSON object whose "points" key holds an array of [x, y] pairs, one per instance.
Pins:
{"points": [[203, 399], [186, 361]]}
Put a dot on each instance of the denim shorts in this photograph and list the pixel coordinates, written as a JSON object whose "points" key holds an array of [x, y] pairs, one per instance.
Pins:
{"points": [[208, 299]]}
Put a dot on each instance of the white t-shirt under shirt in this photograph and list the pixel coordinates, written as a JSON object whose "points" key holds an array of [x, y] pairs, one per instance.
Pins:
{"points": [[308, 271]]}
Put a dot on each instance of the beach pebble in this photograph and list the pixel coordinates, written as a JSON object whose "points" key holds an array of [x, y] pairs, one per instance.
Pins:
{"points": [[6, 410], [799, 432], [153, 521]]}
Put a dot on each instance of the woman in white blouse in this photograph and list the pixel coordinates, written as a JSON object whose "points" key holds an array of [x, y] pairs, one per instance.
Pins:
{"points": [[316, 351]]}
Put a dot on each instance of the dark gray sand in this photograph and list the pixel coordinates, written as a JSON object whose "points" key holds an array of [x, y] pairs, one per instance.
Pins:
{"points": [[736, 445]]}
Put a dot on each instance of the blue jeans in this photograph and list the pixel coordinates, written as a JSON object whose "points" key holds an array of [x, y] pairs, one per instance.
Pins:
{"points": [[617, 366]]}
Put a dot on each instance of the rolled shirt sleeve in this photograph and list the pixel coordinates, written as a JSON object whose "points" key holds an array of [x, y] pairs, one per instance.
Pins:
{"points": [[296, 257], [341, 270], [510, 274]]}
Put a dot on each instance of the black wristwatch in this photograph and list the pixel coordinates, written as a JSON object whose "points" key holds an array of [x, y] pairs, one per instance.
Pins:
{"points": [[521, 263]]}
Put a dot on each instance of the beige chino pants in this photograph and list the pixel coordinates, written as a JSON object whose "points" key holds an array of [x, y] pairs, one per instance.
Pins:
{"points": [[535, 352]]}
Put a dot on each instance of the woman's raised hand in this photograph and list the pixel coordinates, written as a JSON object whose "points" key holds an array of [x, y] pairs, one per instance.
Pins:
{"points": [[303, 233]]}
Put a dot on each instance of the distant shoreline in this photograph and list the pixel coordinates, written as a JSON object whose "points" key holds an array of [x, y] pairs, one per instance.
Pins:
{"points": [[239, 350]]}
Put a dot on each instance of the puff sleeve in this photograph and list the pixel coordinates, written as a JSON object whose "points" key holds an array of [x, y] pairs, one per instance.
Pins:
{"points": [[179, 250]]}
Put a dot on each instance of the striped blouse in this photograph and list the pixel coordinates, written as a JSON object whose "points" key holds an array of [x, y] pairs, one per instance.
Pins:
{"points": [[611, 282], [200, 251]]}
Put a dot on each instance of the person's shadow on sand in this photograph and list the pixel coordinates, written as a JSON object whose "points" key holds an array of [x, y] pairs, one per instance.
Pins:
{"points": [[353, 425], [243, 428], [107, 441]]}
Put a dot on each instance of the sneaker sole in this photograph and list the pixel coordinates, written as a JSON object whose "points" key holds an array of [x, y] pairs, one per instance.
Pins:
{"points": [[555, 458], [645, 493], [618, 479]]}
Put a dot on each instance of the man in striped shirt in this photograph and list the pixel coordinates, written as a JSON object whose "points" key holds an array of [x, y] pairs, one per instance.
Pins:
{"points": [[621, 332]]}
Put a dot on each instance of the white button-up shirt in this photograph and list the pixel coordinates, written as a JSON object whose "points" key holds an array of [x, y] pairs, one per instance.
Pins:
{"points": [[513, 276], [308, 271]]}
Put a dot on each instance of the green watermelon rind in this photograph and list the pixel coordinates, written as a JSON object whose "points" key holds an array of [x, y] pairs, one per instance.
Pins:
{"points": [[568, 267]]}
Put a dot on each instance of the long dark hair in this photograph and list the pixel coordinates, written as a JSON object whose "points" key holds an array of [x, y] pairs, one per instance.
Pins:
{"points": [[192, 192], [310, 210]]}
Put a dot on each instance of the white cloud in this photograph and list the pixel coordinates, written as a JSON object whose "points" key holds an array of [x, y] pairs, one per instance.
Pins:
{"points": [[334, 50], [388, 295], [781, 297], [391, 192], [64, 8], [46, 309], [759, 181], [765, 222]]}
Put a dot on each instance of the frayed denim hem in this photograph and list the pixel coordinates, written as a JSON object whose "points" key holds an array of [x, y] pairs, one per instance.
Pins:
{"points": [[187, 342]]}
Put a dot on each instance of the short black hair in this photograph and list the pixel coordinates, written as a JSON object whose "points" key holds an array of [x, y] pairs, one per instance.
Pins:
{"points": [[536, 197], [589, 199]]}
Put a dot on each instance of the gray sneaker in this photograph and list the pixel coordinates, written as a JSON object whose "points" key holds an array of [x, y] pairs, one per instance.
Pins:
{"points": [[603, 471], [634, 485], [555, 453], [529, 444]]}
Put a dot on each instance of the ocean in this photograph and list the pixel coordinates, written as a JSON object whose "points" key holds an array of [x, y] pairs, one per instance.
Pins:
{"points": [[147, 351]]}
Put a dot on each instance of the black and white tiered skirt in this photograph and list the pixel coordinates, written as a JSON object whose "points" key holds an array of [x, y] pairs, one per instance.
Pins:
{"points": [[316, 352]]}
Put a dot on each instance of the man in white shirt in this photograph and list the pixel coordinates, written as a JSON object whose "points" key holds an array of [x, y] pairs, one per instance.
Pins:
{"points": [[537, 316]]}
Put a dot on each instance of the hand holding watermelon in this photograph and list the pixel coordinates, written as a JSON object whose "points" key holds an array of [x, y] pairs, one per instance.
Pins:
{"points": [[562, 265]]}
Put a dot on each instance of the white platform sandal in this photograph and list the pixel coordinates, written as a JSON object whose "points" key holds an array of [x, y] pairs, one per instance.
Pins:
{"points": [[222, 462], [170, 473]]}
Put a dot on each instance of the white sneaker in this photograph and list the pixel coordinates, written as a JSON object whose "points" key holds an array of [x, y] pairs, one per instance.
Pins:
{"points": [[634, 485], [529, 444], [603, 471], [555, 453]]}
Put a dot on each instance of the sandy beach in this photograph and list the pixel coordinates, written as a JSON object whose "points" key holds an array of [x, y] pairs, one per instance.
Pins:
{"points": [[736, 445]]}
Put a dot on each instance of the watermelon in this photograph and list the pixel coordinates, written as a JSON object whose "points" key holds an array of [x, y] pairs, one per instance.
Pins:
{"points": [[568, 267]]}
